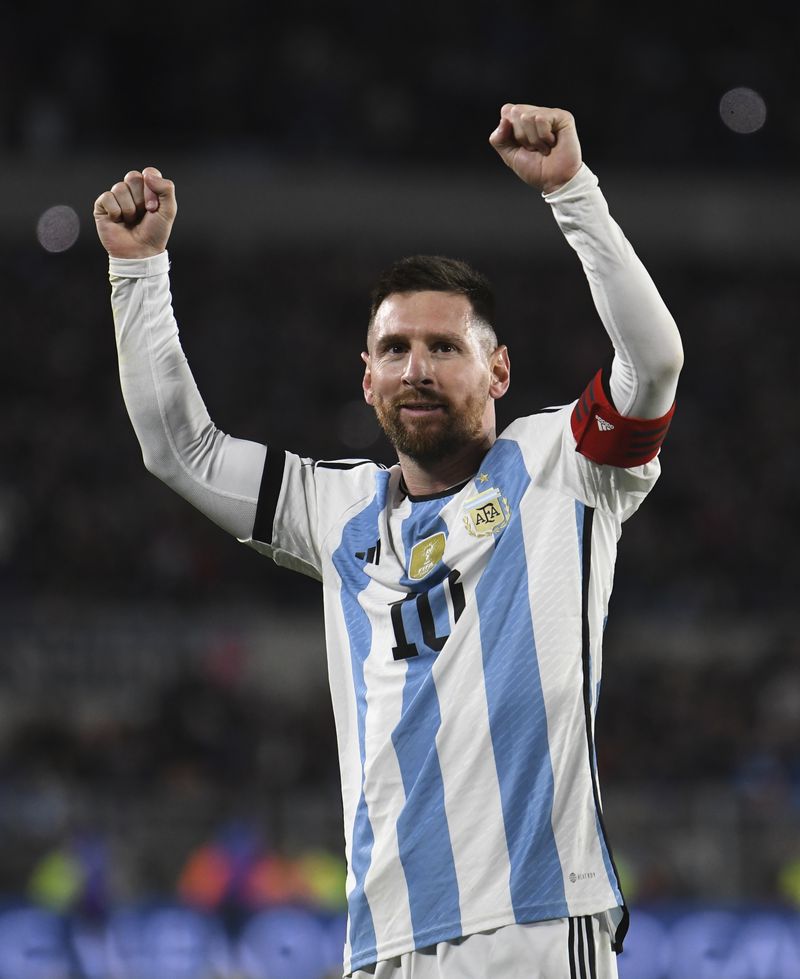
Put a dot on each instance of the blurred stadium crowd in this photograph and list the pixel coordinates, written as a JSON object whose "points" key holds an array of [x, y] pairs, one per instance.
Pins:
{"points": [[369, 82]]}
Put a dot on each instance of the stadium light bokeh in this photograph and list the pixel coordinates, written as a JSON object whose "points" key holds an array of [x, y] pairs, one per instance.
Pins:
{"points": [[743, 110], [58, 228]]}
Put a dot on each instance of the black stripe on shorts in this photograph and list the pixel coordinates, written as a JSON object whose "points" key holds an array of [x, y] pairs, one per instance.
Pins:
{"points": [[581, 948]]}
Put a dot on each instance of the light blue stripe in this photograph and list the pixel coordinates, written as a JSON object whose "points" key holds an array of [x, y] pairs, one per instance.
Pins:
{"points": [[359, 534], [580, 513], [517, 718], [423, 834]]}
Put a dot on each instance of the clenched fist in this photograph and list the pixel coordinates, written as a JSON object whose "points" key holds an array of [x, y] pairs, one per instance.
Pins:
{"points": [[539, 144], [135, 217]]}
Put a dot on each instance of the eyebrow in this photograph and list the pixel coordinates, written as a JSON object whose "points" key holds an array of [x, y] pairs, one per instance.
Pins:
{"points": [[389, 339]]}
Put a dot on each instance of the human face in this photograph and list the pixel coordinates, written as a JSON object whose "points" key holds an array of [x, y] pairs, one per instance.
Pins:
{"points": [[428, 376]]}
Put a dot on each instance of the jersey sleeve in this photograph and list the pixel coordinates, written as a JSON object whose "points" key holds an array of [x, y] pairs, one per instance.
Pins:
{"points": [[180, 443], [648, 353], [608, 438], [590, 451], [301, 503]]}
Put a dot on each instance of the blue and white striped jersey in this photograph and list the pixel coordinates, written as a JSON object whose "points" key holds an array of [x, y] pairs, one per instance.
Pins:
{"points": [[464, 639], [464, 631]]}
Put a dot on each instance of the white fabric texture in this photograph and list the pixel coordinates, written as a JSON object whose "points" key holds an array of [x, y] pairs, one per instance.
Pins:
{"points": [[218, 474], [648, 354], [539, 950]]}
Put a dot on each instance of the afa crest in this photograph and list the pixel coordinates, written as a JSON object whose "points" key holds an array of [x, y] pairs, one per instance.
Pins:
{"points": [[486, 513]]}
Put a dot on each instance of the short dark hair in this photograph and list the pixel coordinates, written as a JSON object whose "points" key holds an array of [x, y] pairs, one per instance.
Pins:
{"points": [[437, 273]]}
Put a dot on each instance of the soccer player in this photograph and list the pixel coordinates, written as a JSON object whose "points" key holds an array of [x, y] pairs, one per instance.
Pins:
{"points": [[465, 588]]}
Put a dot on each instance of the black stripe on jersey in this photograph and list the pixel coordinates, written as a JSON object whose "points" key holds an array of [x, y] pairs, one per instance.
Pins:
{"points": [[271, 482], [345, 465], [450, 491], [588, 519]]}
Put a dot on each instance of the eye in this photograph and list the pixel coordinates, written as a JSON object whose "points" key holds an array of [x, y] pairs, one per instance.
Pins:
{"points": [[444, 347], [391, 347]]}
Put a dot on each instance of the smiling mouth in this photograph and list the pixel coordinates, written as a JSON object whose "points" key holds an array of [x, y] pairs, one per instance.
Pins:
{"points": [[421, 409]]}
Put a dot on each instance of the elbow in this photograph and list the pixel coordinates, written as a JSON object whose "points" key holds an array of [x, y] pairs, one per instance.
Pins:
{"points": [[659, 387], [664, 372], [669, 371], [159, 463]]}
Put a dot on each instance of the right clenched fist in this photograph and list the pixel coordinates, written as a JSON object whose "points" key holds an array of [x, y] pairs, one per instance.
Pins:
{"points": [[135, 217]]}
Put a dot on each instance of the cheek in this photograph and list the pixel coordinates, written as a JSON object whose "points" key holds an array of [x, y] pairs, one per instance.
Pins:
{"points": [[383, 381], [475, 384]]}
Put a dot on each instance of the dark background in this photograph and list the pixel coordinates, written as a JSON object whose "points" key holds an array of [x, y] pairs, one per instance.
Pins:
{"points": [[160, 683]]}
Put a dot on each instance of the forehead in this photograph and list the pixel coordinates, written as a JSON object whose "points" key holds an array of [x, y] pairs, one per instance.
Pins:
{"points": [[418, 313]]}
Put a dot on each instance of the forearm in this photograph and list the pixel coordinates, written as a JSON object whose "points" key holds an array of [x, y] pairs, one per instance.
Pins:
{"points": [[180, 444], [648, 354]]}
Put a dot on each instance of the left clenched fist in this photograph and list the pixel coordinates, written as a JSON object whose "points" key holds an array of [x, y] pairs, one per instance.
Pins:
{"points": [[539, 144]]}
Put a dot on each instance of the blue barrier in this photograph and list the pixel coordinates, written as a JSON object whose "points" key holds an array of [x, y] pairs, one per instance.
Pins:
{"points": [[175, 942], [712, 943], [34, 945]]}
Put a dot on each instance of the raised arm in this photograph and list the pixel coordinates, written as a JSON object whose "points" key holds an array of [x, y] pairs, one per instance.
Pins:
{"points": [[541, 146], [180, 444]]}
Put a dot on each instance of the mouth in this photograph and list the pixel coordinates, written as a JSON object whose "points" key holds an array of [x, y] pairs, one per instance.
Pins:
{"points": [[419, 408]]}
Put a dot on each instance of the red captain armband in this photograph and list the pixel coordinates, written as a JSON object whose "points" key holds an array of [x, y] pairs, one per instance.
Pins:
{"points": [[604, 435]]}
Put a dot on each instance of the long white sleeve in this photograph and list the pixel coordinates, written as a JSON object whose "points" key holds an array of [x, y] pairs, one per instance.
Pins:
{"points": [[218, 474], [648, 354]]}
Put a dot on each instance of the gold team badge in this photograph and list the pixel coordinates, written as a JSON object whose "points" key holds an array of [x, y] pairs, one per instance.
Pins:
{"points": [[486, 513], [425, 556]]}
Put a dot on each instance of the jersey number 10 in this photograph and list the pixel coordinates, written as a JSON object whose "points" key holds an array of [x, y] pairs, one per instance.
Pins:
{"points": [[404, 649]]}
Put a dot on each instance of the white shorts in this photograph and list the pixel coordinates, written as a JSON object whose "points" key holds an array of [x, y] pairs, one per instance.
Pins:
{"points": [[560, 948]]}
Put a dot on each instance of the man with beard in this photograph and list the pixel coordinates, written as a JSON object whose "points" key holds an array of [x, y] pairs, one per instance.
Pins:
{"points": [[465, 588]]}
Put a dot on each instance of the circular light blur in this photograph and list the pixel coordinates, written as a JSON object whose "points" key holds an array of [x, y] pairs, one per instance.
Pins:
{"points": [[743, 110], [58, 228]]}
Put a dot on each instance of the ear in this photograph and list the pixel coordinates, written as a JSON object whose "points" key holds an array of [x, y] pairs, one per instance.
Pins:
{"points": [[366, 382], [500, 367]]}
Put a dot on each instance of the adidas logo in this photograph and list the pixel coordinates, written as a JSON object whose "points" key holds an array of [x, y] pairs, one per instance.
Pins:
{"points": [[603, 425]]}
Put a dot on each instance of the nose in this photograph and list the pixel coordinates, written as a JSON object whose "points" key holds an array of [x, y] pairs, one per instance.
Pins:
{"points": [[417, 369]]}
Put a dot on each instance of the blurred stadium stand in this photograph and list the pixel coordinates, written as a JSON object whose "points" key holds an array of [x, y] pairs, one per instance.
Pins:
{"points": [[169, 798]]}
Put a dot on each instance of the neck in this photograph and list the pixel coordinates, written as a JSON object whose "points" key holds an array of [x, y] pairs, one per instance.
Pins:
{"points": [[424, 477]]}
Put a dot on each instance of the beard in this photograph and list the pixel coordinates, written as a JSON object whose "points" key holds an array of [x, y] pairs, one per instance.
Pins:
{"points": [[431, 439]]}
